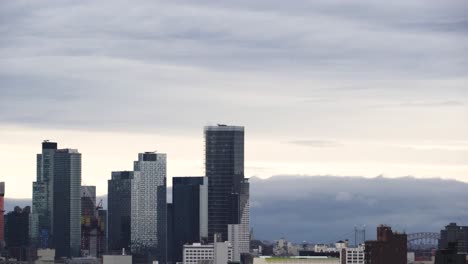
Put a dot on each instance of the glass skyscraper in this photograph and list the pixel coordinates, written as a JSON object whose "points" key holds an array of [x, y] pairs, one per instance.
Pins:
{"points": [[43, 197], [224, 161], [190, 213], [148, 207], [119, 210], [67, 203]]}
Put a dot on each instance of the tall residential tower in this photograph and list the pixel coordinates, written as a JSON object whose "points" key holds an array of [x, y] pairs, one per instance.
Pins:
{"points": [[148, 207], [67, 203], [224, 161], [43, 197], [190, 213], [119, 210]]}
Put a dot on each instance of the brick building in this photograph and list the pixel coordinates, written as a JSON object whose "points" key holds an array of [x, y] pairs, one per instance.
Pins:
{"points": [[389, 248]]}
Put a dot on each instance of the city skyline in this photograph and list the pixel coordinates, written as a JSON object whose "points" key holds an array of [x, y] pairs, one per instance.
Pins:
{"points": [[323, 87], [234, 132]]}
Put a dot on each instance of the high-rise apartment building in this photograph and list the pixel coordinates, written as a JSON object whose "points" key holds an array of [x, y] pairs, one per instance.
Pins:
{"points": [[189, 213], [119, 210], [389, 248], [43, 197], [455, 234], [224, 167], [148, 207], [239, 234], [2, 211], [67, 203]]}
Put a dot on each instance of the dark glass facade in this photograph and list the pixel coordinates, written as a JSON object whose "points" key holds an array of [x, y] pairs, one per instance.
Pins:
{"points": [[43, 197], [17, 227], [224, 167], [67, 203], [455, 234], [119, 210], [186, 212], [170, 234], [17, 233]]}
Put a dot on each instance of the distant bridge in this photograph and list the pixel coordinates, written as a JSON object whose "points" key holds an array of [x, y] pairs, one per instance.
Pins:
{"points": [[423, 240]]}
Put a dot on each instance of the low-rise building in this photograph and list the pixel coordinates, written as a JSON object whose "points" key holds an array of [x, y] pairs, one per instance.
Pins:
{"points": [[353, 255], [296, 260], [117, 259], [219, 252]]}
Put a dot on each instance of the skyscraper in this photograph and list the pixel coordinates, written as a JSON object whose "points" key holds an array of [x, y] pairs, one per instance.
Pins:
{"points": [[2, 211], [239, 234], [119, 210], [43, 197], [190, 212], [224, 161], [67, 203], [149, 210]]}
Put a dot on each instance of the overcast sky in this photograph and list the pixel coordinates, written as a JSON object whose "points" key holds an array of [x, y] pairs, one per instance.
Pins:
{"points": [[323, 87]]}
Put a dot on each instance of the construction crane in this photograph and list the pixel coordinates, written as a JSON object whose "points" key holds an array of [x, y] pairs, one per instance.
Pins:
{"points": [[99, 206]]}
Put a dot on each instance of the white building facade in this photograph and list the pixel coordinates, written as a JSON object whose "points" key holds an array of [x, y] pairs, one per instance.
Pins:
{"points": [[218, 253], [148, 205], [353, 255]]}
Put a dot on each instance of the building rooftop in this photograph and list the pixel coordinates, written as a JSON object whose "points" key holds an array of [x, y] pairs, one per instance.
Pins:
{"points": [[222, 127]]}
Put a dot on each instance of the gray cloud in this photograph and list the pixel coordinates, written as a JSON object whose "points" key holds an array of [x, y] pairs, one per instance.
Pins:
{"points": [[185, 63], [323, 208]]}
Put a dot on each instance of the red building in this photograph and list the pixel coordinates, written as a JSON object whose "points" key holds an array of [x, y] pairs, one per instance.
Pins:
{"points": [[389, 248], [2, 214]]}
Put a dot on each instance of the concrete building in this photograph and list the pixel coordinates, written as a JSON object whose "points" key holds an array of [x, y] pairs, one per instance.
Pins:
{"points": [[117, 259], [189, 213], [224, 167], [389, 248], [43, 197], [119, 210], [67, 203], [45, 256], [296, 260], [353, 255], [217, 253], [148, 207]]}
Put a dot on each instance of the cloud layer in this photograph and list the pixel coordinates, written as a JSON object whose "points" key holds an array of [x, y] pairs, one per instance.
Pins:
{"points": [[324, 208], [114, 64]]}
